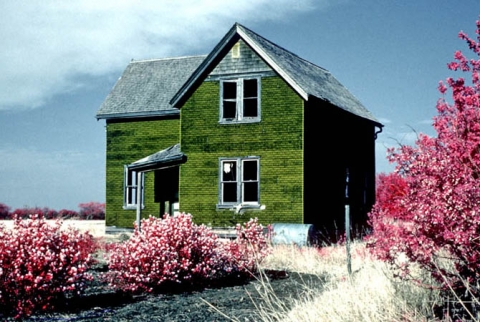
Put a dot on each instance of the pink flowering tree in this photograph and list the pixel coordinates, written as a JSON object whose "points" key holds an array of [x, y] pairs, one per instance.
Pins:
{"points": [[92, 210], [429, 209], [4, 211]]}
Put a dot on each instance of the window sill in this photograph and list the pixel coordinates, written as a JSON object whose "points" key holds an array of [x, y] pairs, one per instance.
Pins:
{"points": [[245, 121], [132, 207], [244, 206]]}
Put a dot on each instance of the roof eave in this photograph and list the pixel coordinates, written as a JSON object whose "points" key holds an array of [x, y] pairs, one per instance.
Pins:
{"points": [[371, 119], [148, 114], [157, 165]]}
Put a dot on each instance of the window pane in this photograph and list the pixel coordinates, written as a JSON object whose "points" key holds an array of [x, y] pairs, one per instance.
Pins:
{"points": [[250, 108], [230, 192], [250, 191], [250, 88], [229, 171], [229, 90], [130, 178], [250, 170], [229, 109], [132, 195]]}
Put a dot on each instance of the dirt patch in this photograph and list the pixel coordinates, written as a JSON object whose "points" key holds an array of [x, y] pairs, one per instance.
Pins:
{"points": [[233, 299]]}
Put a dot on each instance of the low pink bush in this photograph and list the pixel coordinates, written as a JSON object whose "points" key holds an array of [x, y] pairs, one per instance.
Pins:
{"points": [[177, 250], [243, 254], [41, 264]]}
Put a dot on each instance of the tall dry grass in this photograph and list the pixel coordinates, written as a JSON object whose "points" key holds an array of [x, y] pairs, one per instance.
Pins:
{"points": [[371, 293]]}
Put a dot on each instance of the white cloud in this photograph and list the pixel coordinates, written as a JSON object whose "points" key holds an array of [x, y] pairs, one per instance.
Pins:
{"points": [[48, 45]]}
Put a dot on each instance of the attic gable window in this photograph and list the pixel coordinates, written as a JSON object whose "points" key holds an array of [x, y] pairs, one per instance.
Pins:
{"points": [[236, 50], [240, 100], [239, 182]]}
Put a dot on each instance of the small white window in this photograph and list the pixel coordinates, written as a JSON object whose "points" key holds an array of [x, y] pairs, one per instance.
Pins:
{"points": [[239, 181], [131, 184], [240, 100], [236, 50]]}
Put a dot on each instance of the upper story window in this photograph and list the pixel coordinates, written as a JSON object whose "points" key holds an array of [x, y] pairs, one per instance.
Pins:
{"points": [[130, 188], [240, 100], [239, 181]]}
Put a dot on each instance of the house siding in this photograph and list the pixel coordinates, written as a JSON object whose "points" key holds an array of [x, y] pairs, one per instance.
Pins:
{"points": [[126, 143], [277, 140], [343, 142], [246, 62]]}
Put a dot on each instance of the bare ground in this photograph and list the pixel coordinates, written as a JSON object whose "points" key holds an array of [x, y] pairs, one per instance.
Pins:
{"points": [[232, 300]]}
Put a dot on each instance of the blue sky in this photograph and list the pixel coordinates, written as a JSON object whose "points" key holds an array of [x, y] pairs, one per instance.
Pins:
{"points": [[59, 60]]}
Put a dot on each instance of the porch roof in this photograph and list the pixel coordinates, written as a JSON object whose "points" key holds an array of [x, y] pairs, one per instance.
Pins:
{"points": [[166, 158]]}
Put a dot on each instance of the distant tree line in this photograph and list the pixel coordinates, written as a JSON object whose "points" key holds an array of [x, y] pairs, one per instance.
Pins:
{"points": [[86, 211]]}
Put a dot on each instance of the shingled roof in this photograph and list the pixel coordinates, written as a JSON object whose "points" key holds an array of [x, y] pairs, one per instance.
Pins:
{"points": [[305, 77], [161, 159], [158, 87], [146, 88]]}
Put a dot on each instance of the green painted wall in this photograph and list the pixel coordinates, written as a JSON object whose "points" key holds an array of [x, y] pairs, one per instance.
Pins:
{"points": [[277, 140], [126, 143]]}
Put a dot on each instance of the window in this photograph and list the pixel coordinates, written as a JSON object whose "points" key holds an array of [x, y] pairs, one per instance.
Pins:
{"points": [[239, 181], [240, 100], [131, 185], [236, 50]]}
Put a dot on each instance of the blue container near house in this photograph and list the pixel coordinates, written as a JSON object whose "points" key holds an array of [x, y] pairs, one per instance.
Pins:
{"points": [[296, 234]]}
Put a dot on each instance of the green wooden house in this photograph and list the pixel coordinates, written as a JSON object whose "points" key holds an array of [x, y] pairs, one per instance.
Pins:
{"points": [[249, 130]]}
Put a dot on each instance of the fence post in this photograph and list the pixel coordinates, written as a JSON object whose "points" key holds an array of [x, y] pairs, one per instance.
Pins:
{"points": [[347, 225]]}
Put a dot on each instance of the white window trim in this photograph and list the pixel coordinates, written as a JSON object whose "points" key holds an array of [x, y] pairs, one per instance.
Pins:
{"points": [[239, 101], [126, 204], [240, 185]]}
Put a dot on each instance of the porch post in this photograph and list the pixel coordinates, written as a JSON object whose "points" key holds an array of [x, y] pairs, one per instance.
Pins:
{"points": [[139, 198]]}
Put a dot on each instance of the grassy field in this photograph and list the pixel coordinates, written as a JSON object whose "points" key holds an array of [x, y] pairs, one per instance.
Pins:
{"points": [[371, 293]]}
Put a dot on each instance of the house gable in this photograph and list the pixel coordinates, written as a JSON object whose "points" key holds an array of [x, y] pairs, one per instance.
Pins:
{"points": [[306, 78], [240, 60]]}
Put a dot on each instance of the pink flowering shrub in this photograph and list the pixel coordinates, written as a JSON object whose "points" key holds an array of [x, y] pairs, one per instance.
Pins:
{"points": [[41, 264], [92, 210], [242, 255], [429, 209], [175, 250]]}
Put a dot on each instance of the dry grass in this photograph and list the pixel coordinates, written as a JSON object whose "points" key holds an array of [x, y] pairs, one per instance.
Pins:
{"points": [[371, 293]]}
